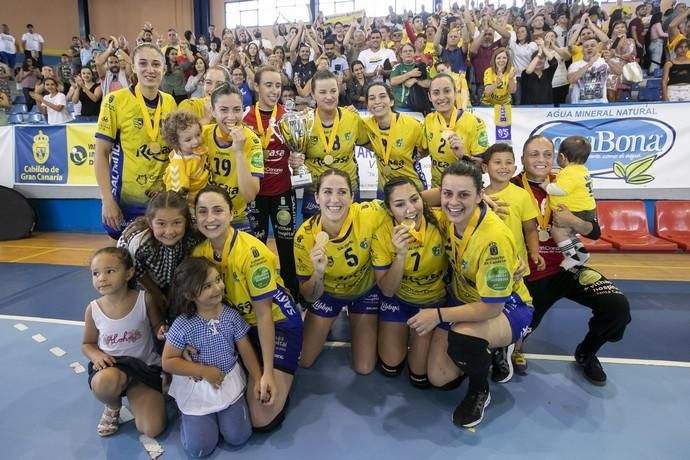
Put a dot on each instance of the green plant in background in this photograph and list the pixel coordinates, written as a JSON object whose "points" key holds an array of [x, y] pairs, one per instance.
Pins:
{"points": [[633, 173]]}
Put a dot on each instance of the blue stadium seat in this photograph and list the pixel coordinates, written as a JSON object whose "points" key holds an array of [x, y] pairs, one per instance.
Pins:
{"points": [[19, 100], [650, 94], [19, 108], [35, 109], [658, 73], [15, 118], [654, 83], [35, 118]]}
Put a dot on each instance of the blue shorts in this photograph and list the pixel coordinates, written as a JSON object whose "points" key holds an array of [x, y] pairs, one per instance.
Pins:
{"points": [[288, 335], [395, 310], [518, 313], [330, 307], [115, 233], [310, 207]]}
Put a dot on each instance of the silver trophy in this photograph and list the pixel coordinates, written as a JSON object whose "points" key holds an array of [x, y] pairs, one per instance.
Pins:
{"points": [[294, 129]]}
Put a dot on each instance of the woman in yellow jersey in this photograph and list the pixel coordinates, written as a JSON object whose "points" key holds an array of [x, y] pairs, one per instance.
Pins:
{"points": [[131, 155], [201, 106], [499, 79], [450, 133], [254, 288], [235, 154], [394, 137], [410, 263], [333, 138], [332, 258], [490, 309]]}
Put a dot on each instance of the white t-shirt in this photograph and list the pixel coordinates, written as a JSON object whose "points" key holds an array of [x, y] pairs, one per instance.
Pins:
{"points": [[55, 117], [7, 44], [33, 41], [591, 87], [373, 59], [522, 54]]}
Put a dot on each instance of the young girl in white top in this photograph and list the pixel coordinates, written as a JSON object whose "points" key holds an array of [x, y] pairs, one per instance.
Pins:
{"points": [[119, 342], [212, 401], [54, 104]]}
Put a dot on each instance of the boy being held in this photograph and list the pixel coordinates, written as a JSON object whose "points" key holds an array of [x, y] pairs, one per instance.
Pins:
{"points": [[572, 189]]}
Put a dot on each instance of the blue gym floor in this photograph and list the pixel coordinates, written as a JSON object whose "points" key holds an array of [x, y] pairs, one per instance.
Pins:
{"points": [[553, 413]]}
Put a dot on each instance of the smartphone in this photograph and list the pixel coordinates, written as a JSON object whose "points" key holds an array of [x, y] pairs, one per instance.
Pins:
{"points": [[338, 67]]}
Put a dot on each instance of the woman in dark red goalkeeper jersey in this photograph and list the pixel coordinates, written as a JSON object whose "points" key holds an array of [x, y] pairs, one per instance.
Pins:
{"points": [[584, 285], [276, 199]]}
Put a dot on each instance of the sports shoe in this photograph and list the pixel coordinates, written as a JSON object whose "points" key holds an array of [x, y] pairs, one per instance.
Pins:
{"points": [[591, 367], [470, 411], [502, 365], [519, 362]]}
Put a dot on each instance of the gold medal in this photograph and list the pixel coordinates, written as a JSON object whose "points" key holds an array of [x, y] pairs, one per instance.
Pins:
{"points": [[543, 235], [387, 170], [327, 143], [328, 160], [409, 223], [155, 148], [321, 239]]}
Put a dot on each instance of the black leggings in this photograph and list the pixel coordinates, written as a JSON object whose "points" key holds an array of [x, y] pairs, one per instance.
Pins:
{"points": [[610, 308], [281, 209]]}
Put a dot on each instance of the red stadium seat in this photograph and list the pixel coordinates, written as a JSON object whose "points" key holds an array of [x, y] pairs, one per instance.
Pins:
{"points": [[624, 223], [596, 245], [672, 222]]}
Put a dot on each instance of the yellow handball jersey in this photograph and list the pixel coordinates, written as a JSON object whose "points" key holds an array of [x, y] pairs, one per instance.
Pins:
{"points": [[576, 182], [222, 164], [195, 105], [521, 209], [501, 96], [426, 263], [468, 126], [349, 274], [248, 269], [186, 171], [484, 272], [351, 132], [134, 168], [402, 160]]}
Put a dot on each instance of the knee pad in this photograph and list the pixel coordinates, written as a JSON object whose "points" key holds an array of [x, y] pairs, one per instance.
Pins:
{"points": [[275, 423], [420, 381], [452, 385], [390, 371], [469, 353]]}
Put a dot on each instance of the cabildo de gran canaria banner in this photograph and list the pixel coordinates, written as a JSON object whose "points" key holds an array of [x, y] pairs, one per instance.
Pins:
{"points": [[633, 146], [55, 154]]}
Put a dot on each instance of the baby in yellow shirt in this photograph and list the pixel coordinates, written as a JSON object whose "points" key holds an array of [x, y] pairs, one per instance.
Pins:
{"points": [[573, 190], [187, 172]]}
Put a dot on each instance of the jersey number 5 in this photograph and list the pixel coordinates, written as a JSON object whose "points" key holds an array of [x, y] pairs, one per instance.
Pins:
{"points": [[352, 260]]}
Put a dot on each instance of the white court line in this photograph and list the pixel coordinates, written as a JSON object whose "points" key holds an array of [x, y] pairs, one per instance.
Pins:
{"points": [[566, 358], [630, 361], [36, 319]]}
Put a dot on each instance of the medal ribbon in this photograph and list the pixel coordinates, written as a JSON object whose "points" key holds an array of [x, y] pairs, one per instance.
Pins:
{"points": [[386, 151], [478, 215], [152, 128], [453, 119], [328, 145], [542, 219], [264, 135]]}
